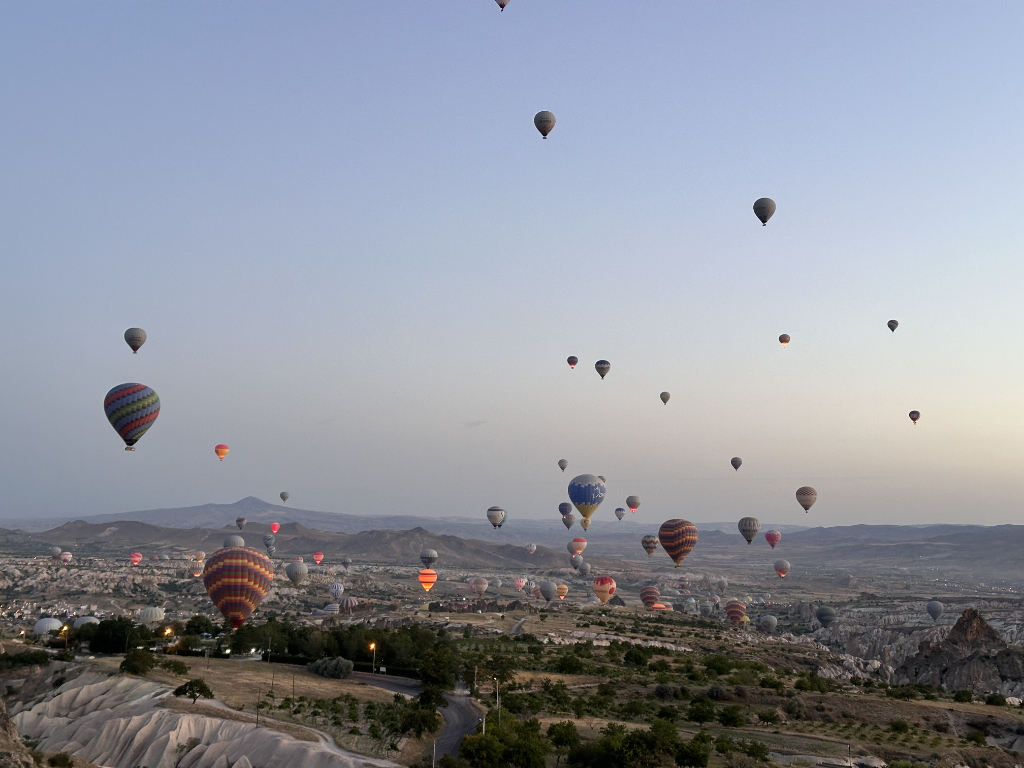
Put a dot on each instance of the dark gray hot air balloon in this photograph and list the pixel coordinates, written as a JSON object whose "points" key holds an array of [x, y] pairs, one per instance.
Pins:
{"points": [[576, 561], [914, 416], [548, 590], [782, 567], [664, 397], [602, 367], [568, 520], [562, 464], [584, 569], [893, 325], [935, 609], [544, 121], [135, 338], [784, 340], [234, 541], [825, 616], [749, 526], [764, 209], [806, 496], [285, 495], [240, 522], [736, 462], [633, 502], [269, 540], [296, 572], [428, 557]]}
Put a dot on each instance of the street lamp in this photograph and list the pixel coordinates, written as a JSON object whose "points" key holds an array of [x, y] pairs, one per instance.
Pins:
{"points": [[373, 647]]}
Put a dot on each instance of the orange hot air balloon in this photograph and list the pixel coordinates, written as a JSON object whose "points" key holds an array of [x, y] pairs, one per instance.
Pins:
{"points": [[563, 590], [221, 451], [318, 557], [275, 527], [136, 558], [427, 578]]}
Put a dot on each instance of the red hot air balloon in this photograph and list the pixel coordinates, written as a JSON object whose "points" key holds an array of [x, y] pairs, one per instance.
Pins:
{"points": [[136, 558], [572, 360], [275, 527], [649, 596], [773, 537], [318, 557], [678, 538], [237, 579], [427, 578], [604, 588], [221, 450]]}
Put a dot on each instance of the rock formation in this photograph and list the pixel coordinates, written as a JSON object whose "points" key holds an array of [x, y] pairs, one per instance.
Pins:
{"points": [[973, 657], [12, 753]]}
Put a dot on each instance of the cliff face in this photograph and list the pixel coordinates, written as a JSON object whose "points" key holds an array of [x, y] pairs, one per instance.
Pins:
{"points": [[973, 657], [12, 752]]}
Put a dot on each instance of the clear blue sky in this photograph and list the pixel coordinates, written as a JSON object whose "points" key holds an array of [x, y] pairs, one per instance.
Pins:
{"points": [[361, 267]]}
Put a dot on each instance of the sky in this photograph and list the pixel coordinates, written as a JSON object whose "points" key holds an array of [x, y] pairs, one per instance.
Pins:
{"points": [[361, 268]]}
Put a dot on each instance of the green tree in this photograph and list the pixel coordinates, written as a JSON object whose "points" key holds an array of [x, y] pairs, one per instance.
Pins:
{"points": [[664, 735], [193, 689], [693, 753], [701, 711], [117, 635], [732, 716], [564, 737], [138, 661], [439, 666], [199, 625], [482, 750]]}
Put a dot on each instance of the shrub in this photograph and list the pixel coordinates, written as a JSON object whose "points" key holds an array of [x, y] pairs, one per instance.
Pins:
{"points": [[995, 700], [717, 693], [756, 750], [768, 716], [795, 707], [334, 667], [720, 665], [899, 726], [732, 716], [175, 667], [61, 760], [701, 711], [964, 697], [666, 692], [138, 662], [772, 682], [692, 754], [978, 737], [568, 664]]}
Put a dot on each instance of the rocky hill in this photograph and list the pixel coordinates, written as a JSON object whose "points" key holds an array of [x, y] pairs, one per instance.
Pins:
{"points": [[973, 657]]}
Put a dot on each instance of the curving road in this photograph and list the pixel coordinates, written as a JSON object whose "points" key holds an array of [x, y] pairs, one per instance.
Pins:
{"points": [[460, 716]]}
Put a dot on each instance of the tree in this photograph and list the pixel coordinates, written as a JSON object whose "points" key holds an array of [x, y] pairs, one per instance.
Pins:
{"points": [[482, 750], [117, 635], [439, 666], [732, 716], [194, 689], [431, 697], [664, 735], [693, 754], [199, 625], [138, 661], [564, 737], [701, 711], [334, 667]]}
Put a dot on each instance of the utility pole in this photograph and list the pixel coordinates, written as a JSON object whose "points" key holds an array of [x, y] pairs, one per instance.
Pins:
{"points": [[293, 689], [497, 700], [433, 759], [257, 707], [273, 673]]}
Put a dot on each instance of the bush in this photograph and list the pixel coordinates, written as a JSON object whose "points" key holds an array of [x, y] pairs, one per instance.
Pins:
{"points": [[25, 658], [334, 667], [175, 667], [768, 716], [899, 726], [568, 664], [693, 754], [995, 700], [61, 760], [796, 708], [701, 711], [720, 665], [756, 750], [978, 737], [138, 662], [732, 716], [964, 697], [667, 692], [717, 693], [769, 681]]}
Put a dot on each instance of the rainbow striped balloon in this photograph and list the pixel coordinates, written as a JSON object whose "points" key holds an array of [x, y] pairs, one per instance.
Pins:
{"points": [[131, 409], [237, 579], [736, 610], [649, 596], [678, 537]]}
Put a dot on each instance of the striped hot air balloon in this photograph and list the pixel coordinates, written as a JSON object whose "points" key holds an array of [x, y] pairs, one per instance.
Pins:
{"points": [[604, 588], [650, 544], [348, 604], [678, 538], [806, 496], [337, 590], [478, 585], [562, 591], [735, 610], [318, 557], [649, 595], [135, 557], [748, 527], [519, 583], [427, 578], [131, 410], [221, 450], [237, 579], [577, 545]]}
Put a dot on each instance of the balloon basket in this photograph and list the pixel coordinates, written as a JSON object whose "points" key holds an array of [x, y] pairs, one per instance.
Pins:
{"points": [[129, 448]]}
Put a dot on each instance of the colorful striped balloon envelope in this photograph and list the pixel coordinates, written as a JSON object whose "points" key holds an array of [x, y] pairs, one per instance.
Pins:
{"points": [[237, 579]]}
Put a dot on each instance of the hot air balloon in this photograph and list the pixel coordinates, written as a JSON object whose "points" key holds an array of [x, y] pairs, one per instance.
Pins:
{"points": [[586, 492], [502, 3], [562, 591], [131, 409], [428, 557], [348, 604], [633, 502], [773, 537], [135, 338], [784, 340], [602, 367], [268, 540], [914, 416], [764, 208], [427, 578], [576, 561], [749, 526], [337, 590], [519, 582], [151, 614], [544, 121], [240, 522], [735, 609], [664, 397], [196, 569], [298, 558], [935, 609], [782, 567], [767, 624], [602, 478], [275, 527], [684, 583], [825, 616], [237, 579], [135, 558], [620, 512], [478, 585], [548, 590], [572, 360], [296, 571], [318, 557], [66, 558], [562, 464], [530, 586], [233, 541], [650, 544], [893, 325], [577, 545], [678, 538], [285, 496], [584, 523], [346, 561], [271, 551], [705, 609], [568, 520], [221, 450], [806, 496], [584, 569], [649, 595], [495, 516], [564, 508], [736, 462], [531, 548], [55, 552]]}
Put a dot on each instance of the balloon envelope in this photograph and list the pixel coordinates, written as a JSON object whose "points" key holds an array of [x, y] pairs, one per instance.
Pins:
{"points": [[914, 416], [495, 516], [572, 360], [548, 590], [275, 527], [584, 569], [767, 624], [764, 209], [269, 540], [337, 590], [576, 561], [428, 557], [240, 522], [825, 616], [893, 325], [562, 591], [806, 496], [602, 367], [577, 545], [620, 512], [650, 544], [568, 520], [735, 610], [782, 567], [221, 450], [296, 571], [427, 578], [633, 502], [234, 541], [237, 579], [784, 339], [285, 495], [584, 523], [736, 462], [135, 558], [531, 548], [544, 121], [478, 585], [519, 583], [562, 464], [749, 526], [564, 508], [678, 538], [131, 409], [664, 397], [135, 338], [649, 596], [318, 557], [773, 537], [935, 609], [586, 492]]}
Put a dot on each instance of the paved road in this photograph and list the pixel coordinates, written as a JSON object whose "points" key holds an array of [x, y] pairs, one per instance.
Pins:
{"points": [[460, 716]]}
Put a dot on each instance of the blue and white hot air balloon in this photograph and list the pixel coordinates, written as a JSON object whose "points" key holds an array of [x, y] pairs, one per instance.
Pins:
{"points": [[586, 492]]}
